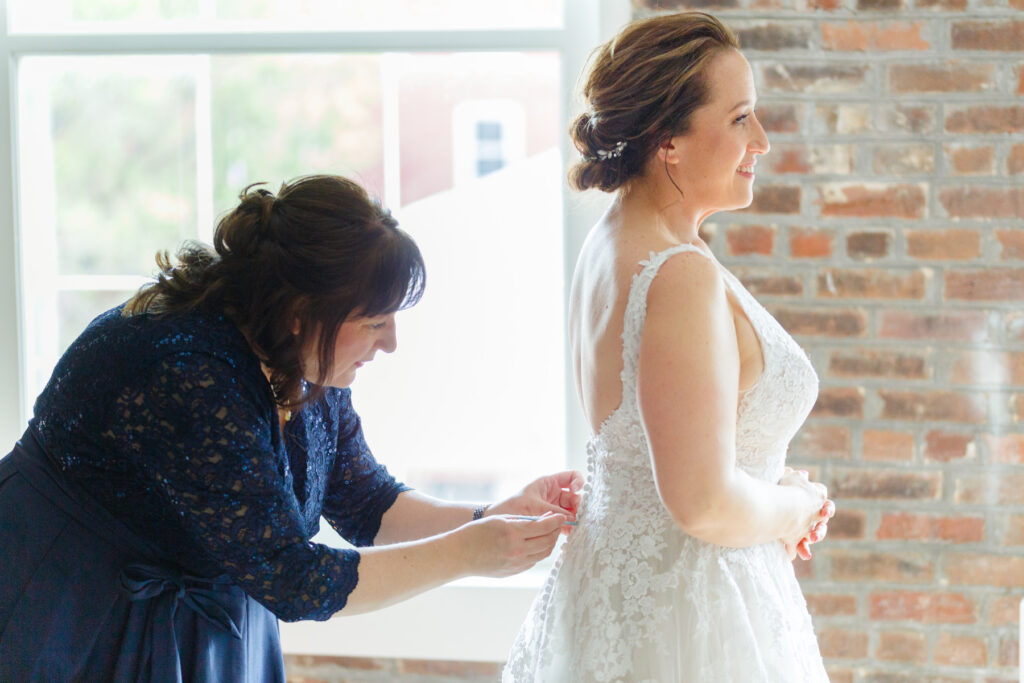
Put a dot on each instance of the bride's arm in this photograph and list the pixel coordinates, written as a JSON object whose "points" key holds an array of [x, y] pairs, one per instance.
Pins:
{"points": [[687, 386]]}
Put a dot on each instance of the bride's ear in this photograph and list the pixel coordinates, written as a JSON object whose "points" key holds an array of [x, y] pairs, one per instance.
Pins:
{"points": [[667, 153]]}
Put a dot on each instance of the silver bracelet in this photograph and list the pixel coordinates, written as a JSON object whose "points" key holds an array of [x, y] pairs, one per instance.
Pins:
{"points": [[478, 513]]}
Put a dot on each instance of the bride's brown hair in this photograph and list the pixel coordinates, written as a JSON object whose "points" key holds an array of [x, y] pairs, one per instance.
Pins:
{"points": [[641, 89]]}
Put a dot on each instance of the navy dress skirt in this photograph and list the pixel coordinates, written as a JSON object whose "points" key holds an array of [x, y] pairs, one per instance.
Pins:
{"points": [[94, 602], [155, 519]]}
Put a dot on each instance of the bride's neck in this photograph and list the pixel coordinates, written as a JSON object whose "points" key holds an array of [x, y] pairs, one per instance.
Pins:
{"points": [[649, 206]]}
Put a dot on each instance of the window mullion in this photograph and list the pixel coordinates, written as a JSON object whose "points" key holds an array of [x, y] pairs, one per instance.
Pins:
{"points": [[218, 42], [11, 382]]}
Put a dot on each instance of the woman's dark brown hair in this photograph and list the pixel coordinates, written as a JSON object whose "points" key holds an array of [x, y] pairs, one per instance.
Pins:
{"points": [[319, 252], [642, 88]]}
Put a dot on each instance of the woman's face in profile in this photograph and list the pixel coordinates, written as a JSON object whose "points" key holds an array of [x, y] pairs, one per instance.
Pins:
{"points": [[357, 343], [718, 153]]}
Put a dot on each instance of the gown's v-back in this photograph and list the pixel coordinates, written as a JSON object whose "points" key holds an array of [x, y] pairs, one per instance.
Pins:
{"points": [[632, 597]]}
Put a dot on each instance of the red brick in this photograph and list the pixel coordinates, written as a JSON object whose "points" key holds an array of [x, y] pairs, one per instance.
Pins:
{"points": [[839, 402], [842, 643], [989, 367], [1014, 530], [886, 485], [873, 35], [831, 605], [814, 78], [822, 441], [994, 284], [1015, 326], [750, 239], [776, 199], [951, 5], [972, 160], [767, 35], [905, 159], [990, 489], [769, 282], [951, 650], [985, 570], [838, 674], [868, 245], [462, 669], [843, 119], [940, 406], [909, 118], [902, 646], [984, 119], [866, 363], [888, 566], [1005, 610], [780, 117], [871, 5], [1020, 79], [1009, 651], [1015, 160], [319, 661], [887, 445], [872, 200], [829, 322], [951, 77], [983, 202], [920, 527], [810, 243], [872, 283], [928, 608], [1011, 243], [1007, 449], [988, 35], [805, 159], [943, 244], [947, 447], [804, 570], [847, 525]]}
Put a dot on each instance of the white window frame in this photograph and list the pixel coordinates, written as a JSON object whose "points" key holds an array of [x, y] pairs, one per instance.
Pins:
{"points": [[468, 620]]}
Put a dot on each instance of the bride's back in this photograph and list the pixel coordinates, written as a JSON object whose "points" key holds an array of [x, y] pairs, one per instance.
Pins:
{"points": [[605, 268]]}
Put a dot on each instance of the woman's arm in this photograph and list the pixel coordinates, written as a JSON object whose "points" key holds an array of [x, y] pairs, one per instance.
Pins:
{"points": [[687, 386], [498, 546], [415, 515]]}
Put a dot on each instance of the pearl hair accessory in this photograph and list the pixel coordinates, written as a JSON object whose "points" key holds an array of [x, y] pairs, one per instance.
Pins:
{"points": [[613, 153]]}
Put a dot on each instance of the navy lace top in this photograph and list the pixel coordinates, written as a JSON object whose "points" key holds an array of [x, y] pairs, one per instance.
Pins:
{"points": [[170, 424]]}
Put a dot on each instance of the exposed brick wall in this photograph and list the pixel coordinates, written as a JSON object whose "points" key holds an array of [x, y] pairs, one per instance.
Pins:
{"points": [[888, 235]]}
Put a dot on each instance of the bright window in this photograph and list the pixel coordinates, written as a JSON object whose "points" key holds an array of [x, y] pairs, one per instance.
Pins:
{"points": [[136, 123]]}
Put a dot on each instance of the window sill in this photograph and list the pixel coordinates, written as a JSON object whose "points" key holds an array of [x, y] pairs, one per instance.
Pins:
{"points": [[474, 619]]}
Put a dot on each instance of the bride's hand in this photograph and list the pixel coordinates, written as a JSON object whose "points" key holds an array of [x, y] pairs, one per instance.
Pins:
{"points": [[811, 522]]}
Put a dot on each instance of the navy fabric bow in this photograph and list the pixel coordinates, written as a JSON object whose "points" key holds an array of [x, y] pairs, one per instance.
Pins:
{"points": [[215, 600]]}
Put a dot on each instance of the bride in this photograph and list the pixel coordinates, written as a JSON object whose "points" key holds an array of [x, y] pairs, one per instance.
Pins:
{"points": [[680, 568]]}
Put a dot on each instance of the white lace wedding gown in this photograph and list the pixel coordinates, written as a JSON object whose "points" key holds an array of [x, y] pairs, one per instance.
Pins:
{"points": [[634, 598]]}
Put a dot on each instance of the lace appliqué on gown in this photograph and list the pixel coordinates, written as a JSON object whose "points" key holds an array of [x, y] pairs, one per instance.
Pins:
{"points": [[634, 598]]}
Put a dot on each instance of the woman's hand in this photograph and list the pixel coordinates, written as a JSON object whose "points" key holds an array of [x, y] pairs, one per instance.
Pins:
{"points": [[557, 493], [810, 525], [504, 545]]}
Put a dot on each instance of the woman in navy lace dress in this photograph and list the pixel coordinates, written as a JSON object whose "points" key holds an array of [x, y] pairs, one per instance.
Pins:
{"points": [[155, 516]]}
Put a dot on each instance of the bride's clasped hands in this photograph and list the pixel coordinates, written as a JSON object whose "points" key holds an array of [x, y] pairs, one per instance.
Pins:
{"points": [[812, 526]]}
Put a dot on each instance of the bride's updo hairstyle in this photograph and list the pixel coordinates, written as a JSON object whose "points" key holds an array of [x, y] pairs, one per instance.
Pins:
{"points": [[642, 87], [318, 252]]}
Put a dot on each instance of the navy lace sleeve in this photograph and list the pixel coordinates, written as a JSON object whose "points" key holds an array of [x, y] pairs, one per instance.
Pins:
{"points": [[206, 446], [359, 490]]}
